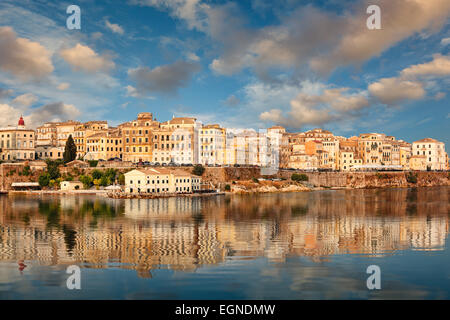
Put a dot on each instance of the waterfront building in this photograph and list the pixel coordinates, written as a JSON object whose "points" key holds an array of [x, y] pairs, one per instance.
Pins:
{"points": [[185, 150], [17, 142], [434, 151], [161, 180], [104, 146], [137, 138], [173, 142], [85, 130], [370, 147], [418, 162], [212, 145]]}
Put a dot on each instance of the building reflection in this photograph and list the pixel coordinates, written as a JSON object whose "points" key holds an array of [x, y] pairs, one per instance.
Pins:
{"points": [[184, 233]]}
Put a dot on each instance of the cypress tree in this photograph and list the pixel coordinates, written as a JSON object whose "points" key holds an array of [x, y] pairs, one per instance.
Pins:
{"points": [[70, 150]]}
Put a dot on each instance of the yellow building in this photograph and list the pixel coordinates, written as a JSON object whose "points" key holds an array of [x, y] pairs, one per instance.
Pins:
{"points": [[85, 130], [49, 152], [104, 146], [137, 138]]}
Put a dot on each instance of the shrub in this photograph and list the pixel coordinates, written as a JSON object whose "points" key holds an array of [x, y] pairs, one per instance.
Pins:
{"points": [[121, 179], [44, 179], [255, 180], [198, 170], [227, 187], [97, 174], [52, 168], [104, 181], [411, 177], [86, 180], [93, 163], [299, 177], [26, 171]]}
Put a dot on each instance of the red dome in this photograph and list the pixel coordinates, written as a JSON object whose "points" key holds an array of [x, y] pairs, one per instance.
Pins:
{"points": [[21, 122]]}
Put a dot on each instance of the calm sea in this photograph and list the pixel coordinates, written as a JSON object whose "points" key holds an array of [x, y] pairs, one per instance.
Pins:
{"points": [[312, 245]]}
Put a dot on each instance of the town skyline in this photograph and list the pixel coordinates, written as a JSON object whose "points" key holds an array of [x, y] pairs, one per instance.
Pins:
{"points": [[287, 64]]}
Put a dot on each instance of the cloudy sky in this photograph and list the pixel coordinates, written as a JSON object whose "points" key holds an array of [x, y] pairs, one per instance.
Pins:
{"points": [[248, 63]]}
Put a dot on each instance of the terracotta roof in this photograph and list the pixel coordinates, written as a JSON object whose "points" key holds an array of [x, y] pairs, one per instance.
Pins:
{"points": [[428, 140]]}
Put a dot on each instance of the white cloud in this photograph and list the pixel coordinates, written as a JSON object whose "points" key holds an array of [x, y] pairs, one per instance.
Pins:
{"points": [[63, 86], [393, 90], [37, 116], [25, 100], [445, 42], [409, 84], [317, 109], [192, 56], [25, 59], [131, 91], [322, 40], [85, 59], [114, 27], [439, 67], [190, 11]]}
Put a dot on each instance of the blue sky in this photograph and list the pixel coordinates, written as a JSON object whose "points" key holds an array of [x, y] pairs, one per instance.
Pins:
{"points": [[250, 63]]}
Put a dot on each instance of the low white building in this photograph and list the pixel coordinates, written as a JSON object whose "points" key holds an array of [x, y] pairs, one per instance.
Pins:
{"points": [[71, 185], [161, 180]]}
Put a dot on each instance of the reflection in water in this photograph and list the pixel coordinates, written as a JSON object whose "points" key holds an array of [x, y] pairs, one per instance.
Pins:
{"points": [[187, 233], [181, 233]]}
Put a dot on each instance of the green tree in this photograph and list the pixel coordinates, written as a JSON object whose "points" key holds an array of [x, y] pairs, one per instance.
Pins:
{"points": [[198, 170], [97, 174], [93, 163], [86, 180], [121, 179], [44, 179], [70, 150], [26, 171], [52, 169]]}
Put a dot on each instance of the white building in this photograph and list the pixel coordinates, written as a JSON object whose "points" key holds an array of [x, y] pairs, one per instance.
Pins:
{"points": [[433, 150], [161, 181]]}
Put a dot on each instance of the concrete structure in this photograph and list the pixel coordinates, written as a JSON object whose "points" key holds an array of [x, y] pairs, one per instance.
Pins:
{"points": [[71, 185]]}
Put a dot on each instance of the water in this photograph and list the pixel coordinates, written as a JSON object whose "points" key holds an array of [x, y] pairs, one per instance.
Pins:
{"points": [[314, 245]]}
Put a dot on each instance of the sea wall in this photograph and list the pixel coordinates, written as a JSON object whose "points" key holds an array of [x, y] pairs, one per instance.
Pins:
{"points": [[219, 177], [335, 179]]}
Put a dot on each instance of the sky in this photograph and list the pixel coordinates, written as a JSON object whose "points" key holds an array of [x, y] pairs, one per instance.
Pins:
{"points": [[243, 64]]}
